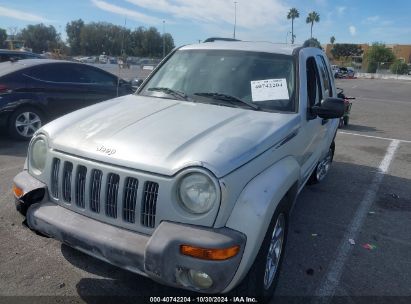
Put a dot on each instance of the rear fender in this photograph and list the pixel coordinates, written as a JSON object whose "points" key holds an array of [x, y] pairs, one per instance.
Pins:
{"points": [[255, 207]]}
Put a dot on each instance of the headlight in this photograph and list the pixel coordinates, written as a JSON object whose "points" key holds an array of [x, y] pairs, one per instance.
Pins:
{"points": [[38, 154], [197, 193]]}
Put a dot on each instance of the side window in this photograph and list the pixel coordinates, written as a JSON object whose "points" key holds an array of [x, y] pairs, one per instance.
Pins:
{"points": [[98, 77], [56, 73], [325, 76], [313, 83]]}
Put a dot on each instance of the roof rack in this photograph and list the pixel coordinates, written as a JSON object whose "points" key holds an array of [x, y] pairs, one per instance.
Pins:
{"points": [[212, 39]]}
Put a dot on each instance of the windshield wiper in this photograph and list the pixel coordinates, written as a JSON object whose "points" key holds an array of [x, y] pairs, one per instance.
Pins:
{"points": [[175, 93], [231, 99]]}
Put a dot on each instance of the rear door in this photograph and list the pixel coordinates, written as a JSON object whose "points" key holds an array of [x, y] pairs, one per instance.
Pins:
{"points": [[60, 85]]}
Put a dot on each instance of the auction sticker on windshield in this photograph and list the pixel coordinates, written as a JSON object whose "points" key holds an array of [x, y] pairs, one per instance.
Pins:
{"points": [[269, 89]]}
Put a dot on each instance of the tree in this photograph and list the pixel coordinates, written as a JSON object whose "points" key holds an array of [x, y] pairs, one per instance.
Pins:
{"points": [[378, 54], [332, 39], [293, 14], [344, 50], [40, 37], [312, 42], [311, 18], [73, 30], [169, 43], [399, 67], [3, 37]]}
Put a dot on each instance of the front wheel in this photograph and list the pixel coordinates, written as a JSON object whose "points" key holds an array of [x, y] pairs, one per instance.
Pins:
{"points": [[262, 278], [24, 122]]}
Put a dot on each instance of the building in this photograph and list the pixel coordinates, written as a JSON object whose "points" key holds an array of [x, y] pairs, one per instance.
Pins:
{"points": [[401, 51]]}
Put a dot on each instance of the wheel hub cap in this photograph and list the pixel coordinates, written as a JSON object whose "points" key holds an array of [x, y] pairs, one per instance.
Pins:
{"points": [[274, 251], [324, 166], [27, 123]]}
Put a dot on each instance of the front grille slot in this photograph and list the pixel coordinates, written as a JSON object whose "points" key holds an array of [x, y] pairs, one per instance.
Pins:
{"points": [[81, 186], [67, 172], [125, 199], [148, 210], [55, 168], [95, 188], [111, 195], [130, 199]]}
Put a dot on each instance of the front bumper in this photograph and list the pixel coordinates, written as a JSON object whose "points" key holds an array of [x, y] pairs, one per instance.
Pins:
{"points": [[157, 256]]}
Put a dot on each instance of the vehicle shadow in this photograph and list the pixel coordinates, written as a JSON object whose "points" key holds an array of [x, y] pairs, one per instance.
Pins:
{"points": [[359, 128], [115, 283], [317, 226]]}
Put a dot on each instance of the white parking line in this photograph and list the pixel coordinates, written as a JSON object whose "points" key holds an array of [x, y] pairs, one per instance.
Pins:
{"points": [[377, 137], [332, 279]]}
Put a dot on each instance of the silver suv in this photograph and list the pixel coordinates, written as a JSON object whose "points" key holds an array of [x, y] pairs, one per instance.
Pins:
{"points": [[191, 180]]}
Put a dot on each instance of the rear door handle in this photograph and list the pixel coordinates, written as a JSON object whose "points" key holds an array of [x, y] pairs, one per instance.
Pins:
{"points": [[324, 121]]}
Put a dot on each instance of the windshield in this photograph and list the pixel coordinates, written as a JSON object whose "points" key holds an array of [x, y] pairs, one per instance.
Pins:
{"points": [[263, 79]]}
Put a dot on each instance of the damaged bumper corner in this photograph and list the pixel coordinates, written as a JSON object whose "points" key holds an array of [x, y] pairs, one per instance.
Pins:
{"points": [[157, 256]]}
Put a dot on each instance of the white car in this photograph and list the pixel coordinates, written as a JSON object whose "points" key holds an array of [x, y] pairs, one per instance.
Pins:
{"points": [[191, 180]]}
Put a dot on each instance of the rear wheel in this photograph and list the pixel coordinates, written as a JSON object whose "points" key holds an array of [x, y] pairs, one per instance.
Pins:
{"points": [[24, 122], [346, 120], [262, 278], [322, 168]]}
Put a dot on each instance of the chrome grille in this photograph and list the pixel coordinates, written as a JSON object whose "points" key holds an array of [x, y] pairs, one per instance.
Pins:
{"points": [[111, 195], [81, 186], [95, 188], [148, 208], [54, 187], [90, 189], [130, 199], [67, 172]]}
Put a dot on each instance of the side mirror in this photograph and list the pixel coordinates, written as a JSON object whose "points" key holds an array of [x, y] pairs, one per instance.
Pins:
{"points": [[330, 108], [136, 83]]}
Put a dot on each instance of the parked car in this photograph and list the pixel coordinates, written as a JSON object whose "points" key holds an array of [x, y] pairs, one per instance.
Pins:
{"points": [[191, 181], [34, 91], [8, 55]]}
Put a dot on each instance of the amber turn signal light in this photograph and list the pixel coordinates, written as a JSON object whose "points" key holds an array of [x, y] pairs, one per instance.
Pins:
{"points": [[208, 253], [18, 192]]}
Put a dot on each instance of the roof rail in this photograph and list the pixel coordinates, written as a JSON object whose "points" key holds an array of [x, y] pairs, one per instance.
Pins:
{"points": [[212, 39]]}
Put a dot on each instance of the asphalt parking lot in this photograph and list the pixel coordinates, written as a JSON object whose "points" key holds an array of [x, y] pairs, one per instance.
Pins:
{"points": [[366, 198]]}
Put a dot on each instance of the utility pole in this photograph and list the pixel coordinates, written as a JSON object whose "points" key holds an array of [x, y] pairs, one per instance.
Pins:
{"points": [[164, 39], [235, 17]]}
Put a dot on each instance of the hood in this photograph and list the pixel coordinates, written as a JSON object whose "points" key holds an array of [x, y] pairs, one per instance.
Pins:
{"points": [[164, 136]]}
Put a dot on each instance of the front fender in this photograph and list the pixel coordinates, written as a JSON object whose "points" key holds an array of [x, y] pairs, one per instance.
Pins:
{"points": [[255, 207]]}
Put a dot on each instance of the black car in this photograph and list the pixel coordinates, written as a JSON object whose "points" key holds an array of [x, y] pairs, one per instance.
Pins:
{"points": [[8, 55], [34, 91]]}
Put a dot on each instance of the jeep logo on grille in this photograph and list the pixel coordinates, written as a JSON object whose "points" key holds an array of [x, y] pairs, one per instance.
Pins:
{"points": [[108, 151]]}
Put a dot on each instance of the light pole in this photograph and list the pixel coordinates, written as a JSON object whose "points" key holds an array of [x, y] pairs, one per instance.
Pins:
{"points": [[235, 17], [164, 39]]}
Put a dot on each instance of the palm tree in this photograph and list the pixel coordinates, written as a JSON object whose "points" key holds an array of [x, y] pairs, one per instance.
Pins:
{"points": [[292, 14], [311, 18], [332, 39]]}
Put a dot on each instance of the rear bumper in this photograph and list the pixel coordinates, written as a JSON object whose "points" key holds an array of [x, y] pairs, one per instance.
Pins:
{"points": [[157, 256]]}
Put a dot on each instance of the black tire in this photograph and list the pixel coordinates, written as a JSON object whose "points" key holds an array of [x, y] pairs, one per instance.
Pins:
{"points": [[316, 177], [253, 284], [341, 123], [32, 124], [346, 120]]}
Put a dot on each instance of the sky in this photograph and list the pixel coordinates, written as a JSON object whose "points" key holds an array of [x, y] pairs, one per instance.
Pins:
{"points": [[349, 21]]}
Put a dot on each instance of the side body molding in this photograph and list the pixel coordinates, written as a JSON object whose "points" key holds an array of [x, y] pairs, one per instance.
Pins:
{"points": [[255, 207]]}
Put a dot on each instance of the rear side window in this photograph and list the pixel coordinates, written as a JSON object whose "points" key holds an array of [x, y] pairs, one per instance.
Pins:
{"points": [[55, 73], [325, 76], [70, 73]]}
